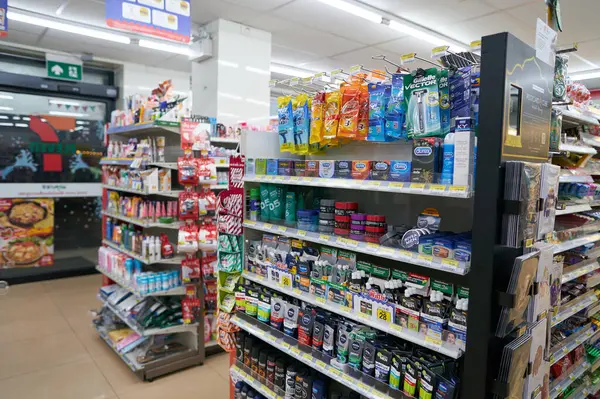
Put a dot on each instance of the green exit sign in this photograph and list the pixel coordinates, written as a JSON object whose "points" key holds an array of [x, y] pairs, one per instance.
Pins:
{"points": [[64, 67]]}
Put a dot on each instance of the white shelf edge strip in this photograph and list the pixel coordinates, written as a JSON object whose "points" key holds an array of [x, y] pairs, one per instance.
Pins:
{"points": [[307, 359], [173, 193], [566, 245], [438, 190], [589, 391], [570, 309], [567, 381], [583, 270], [132, 364], [573, 209], [452, 351], [172, 291], [176, 225], [575, 179], [239, 374], [150, 331], [571, 344], [428, 261], [171, 261]]}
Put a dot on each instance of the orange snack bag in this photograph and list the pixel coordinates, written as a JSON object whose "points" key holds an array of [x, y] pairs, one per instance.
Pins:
{"points": [[332, 114], [316, 118], [363, 114], [349, 113]]}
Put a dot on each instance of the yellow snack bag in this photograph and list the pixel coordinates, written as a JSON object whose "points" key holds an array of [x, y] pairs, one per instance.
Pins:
{"points": [[316, 117], [363, 114], [332, 115]]}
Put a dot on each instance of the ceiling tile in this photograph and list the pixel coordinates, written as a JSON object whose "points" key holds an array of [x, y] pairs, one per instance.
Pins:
{"points": [[317, 15], [288, 56], [589, 51], [85, 11], [273, 24], [498, 22], [43, 7], [578, 19], [363, 57], [204, 11], [505, 4], [259, 5], [313, 41]]}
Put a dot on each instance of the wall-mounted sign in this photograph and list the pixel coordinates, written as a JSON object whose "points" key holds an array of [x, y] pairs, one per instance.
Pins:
{"points": [[3, 18], [64, 67], [168, 19]]}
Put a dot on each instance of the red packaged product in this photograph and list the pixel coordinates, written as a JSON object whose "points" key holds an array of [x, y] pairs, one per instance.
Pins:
{"points": [[166, 248], [190, 270], [187, 169], [188, 205], [207, 171], [191, 312]]}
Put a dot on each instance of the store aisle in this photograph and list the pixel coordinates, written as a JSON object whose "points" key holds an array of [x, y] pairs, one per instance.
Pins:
{"points": [[49, 350]]}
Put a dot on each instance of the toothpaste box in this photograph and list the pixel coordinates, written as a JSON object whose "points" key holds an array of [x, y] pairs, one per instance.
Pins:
{"points": [[400, 171]]}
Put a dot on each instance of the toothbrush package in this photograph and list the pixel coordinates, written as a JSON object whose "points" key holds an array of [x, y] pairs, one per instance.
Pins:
{"points": [[422, 102]]}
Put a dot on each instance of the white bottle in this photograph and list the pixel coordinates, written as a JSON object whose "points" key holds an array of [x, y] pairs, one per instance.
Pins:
{"points": [[145, 248], [156, 249]]}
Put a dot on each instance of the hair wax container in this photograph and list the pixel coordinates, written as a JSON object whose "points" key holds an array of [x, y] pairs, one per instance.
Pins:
{"points": [[299, 168], [342, 222], [400, 171], [312, 169], [327, 222], [380, 170], [272, 167], [326, 169], [284, 167], [345, 208], [343, 169], [361, 170], [327, 206]]}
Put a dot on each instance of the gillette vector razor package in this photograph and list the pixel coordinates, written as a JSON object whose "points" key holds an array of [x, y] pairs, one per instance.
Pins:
{"points": [[422, 99]]}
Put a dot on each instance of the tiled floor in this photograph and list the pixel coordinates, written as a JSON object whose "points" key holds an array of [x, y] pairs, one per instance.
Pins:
{"points": [[49, 350]]}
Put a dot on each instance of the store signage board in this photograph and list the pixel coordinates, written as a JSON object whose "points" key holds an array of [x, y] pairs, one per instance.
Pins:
{"points": [[545, 42], [167, 19], [64, 67], [51, 190], [3, 18]]}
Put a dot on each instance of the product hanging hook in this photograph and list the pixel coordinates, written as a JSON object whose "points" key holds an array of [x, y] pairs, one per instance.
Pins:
{"points": [[382, 57]]}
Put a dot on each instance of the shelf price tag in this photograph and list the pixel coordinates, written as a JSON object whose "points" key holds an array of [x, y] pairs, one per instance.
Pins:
{"points": [[269, 177], [324, 237], [384, 315], [417, 186], [345, 309], [374, 183], [279, 177], [396, 327], [407, 58], [437, 187], [307, 81], [294, 178], [320, 300], [439, 52], [294, 81], [387, 250], [458, 188], [475, 45], [301, 233], [318, 77], [272, 83], [268, 226], [334, 371], [282, 228], [425, 258], [272, 338], [354, 69], [321, 364], [373, 247], [336, 74], [307, 357], [285, 345], [349, 379], [297, 291], [433, 342], [352, 243], [450, 262]]}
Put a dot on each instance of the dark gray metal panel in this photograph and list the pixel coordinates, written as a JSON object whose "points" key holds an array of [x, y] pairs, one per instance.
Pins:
{"points": [[27, 82]]}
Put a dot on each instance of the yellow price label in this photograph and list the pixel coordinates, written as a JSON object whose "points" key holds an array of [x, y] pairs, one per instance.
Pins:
{"points": [[250, 379], [407, 58], [417, 186], [335, 73], [348, 378], [250, 223], [450, 262], [439, 52], [272, 83], [281, 228], [306, 178], [529, 243], [268, 226], [384, 315], [426, 258], [295, 350], [272, 338], [301, 233], [294, 178], [437, 187], [475, 45], [307, 81], [324, 237], [374, 183], [335, 371], [458, 188], [294, 81], [269, 177], [308, 357], [321, 364], [363, 316], [354, 69], [433, 341], [342, 240], [318, 76], [373, 247], [396, 327], [285, 345], [345, 309], [279, 177], [320, 300], [259, 277], [387, 250], [396, 185]]}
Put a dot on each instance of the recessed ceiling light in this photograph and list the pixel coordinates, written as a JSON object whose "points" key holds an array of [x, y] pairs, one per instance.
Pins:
{"points": [[354, 10], [422, 34], [6, 109]]}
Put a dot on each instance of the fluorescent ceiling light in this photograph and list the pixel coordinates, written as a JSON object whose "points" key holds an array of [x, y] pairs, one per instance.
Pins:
{"points": [[70, 28], [592, 74], [61, 102], [425, 36], [25, 118], [229, 64], [4, 117], [16, 118], [75, 114], [6, 124], [285, 70], [6, 97], [169, 48], [6, 109], [354, 10], [21, 125], [258, 70]]}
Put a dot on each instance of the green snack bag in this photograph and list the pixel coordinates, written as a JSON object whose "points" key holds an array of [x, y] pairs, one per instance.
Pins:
{"points": [[422, 100], [444, 102], [224, 243], [265, 203]]}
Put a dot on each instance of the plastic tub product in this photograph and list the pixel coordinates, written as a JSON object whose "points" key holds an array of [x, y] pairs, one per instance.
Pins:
{"points": [[342, 222], [375, 221], [326, 216], [373, 234], [359, 227], [325, 222], [358, 218], [308, 220], [327, 206], [345, 208], [341, 232], [357, 237], [326, 229]]}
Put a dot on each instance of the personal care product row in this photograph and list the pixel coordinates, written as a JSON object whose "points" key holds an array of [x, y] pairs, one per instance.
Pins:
{"points": [[221, 152], [151, 149], [432, 161], [132, 239], [140, 209], [283, 374], [426, 103], [412, 301], [194, 171], [228, 132], [152, 312], [152, 180], [568, 191], [347, 345], [129, 271], [574, 225], [274, 204], [162, 103]]}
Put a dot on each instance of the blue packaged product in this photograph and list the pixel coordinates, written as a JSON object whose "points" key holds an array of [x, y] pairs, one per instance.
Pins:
{"points": [[475, 85], [395, 105], [460, 93], [376, 130], [426, 243], [462, 251], [394, 127], [448, 160], [272, 167], [400, 171], [443, 247], [376, 101], [285, 116]]}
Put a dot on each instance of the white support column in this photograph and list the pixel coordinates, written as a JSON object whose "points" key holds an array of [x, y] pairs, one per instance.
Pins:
{"points": [[233, 85]]}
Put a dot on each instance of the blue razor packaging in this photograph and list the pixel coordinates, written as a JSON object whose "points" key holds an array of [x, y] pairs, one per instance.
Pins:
{"points": [[460, 94]]}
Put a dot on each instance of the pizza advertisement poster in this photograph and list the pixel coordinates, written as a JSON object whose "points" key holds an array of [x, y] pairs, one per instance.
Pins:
{"points": [[26, 232]]}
